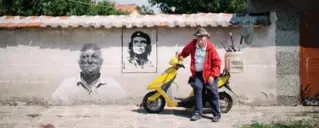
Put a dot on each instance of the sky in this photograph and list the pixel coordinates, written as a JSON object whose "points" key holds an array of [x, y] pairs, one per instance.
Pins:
{"points": [[137, 2]]}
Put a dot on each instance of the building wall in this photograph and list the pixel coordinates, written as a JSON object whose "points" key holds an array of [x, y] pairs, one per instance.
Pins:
{"points": [[35, 62], [288, 14], [287, 55], [282, 5]]}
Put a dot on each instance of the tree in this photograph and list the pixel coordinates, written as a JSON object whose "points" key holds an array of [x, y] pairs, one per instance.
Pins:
{"points": [[143, 10], [233, 5], [57, 8], [196, 6]]}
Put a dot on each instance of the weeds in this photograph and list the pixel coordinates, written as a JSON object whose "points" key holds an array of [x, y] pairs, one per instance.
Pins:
{"points": [[287, 124]]}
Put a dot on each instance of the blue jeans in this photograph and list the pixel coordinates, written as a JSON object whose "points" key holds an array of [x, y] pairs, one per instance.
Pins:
{"points": [[198, 91]]}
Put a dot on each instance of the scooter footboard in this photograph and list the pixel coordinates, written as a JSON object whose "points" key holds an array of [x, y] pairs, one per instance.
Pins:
{"points": [[170, 102]]}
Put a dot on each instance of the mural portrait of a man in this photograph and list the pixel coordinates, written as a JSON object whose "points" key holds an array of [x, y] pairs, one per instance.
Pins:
{"points": [[89, 84], [139, 49]]}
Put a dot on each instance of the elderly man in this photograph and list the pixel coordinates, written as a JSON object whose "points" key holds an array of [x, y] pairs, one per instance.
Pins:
{"points": [[205, 68], [89, 85]]}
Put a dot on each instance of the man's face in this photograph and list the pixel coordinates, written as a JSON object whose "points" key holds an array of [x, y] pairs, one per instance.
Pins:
{"points": [[139, 45], [201, 40], [90, 61]]}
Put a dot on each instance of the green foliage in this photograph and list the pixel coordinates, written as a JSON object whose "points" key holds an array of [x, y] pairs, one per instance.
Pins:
{"points": [[289, 124], [196, 6], [57, 8], [144, 10], [105, 8]]}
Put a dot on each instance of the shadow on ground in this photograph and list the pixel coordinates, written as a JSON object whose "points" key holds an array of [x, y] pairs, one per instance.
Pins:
{"points": [[181, 113], [185, 113]]}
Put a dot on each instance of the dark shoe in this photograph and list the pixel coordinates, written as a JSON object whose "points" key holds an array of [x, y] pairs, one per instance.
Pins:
{"points": [[215, 119], [195, 117]]}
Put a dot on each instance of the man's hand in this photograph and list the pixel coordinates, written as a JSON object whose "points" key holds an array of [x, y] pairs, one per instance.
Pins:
{"points": [[211, 80], [180, 58]]}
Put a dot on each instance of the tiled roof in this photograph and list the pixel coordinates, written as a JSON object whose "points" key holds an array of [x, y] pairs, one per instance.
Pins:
{"points": [[127, 7], [128, 21]]}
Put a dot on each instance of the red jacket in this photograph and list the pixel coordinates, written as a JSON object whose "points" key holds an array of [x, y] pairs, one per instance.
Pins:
{"points": [[212, 61]]}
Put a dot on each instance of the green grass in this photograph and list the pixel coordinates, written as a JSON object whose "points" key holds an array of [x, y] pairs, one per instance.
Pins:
{"points": [[288, 124]]}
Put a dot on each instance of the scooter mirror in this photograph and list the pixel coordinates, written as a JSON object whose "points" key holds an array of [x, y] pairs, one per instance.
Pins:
{"points": [[176, 49]]}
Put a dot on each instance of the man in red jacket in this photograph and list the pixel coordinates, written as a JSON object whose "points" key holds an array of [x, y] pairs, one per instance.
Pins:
{"points": [[205, 69]]}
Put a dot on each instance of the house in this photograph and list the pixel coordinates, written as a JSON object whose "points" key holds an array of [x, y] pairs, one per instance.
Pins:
{"points": [[297, 52], [40, 53], [130, 8]]}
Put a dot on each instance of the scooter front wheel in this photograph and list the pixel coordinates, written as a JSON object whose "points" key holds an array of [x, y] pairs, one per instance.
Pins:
{"points": [[155, 106]]}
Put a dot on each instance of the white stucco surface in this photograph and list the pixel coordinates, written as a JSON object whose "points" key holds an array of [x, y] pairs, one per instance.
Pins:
{"points": [[35, 61]]}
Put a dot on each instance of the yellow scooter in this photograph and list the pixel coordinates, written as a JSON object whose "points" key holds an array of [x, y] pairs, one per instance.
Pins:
{"points": [[154, 101]]}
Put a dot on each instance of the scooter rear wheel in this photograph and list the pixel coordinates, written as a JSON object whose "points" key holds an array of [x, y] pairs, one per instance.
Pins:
{"points": [[226, 102], [156, 106]]}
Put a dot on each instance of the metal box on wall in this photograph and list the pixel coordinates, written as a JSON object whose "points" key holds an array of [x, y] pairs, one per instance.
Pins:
{"points": [[234, 62]]}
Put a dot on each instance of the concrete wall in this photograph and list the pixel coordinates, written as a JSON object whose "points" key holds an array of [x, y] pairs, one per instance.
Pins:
{"points": [[35, 61], [287, 55], [288, 14], [282, 5]]}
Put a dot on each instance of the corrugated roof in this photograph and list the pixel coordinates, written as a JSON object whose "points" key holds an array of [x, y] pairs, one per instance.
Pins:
{"points": [[128, 21]]}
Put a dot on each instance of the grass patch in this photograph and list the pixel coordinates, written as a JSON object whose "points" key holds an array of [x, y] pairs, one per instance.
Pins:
{"points": [[287, 124]]}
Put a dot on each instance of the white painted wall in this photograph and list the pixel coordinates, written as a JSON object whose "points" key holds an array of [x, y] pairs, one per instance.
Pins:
{"points": [[35, 61]]}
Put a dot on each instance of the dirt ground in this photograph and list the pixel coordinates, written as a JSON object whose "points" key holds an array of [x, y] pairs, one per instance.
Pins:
{"points": [[130, 116]]}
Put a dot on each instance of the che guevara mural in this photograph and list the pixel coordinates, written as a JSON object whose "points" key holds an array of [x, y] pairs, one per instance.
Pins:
{"points": [[139, 51]]}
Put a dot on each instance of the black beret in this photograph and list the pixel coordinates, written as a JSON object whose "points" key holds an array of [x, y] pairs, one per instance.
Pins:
{"points": [[141, 34]]}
